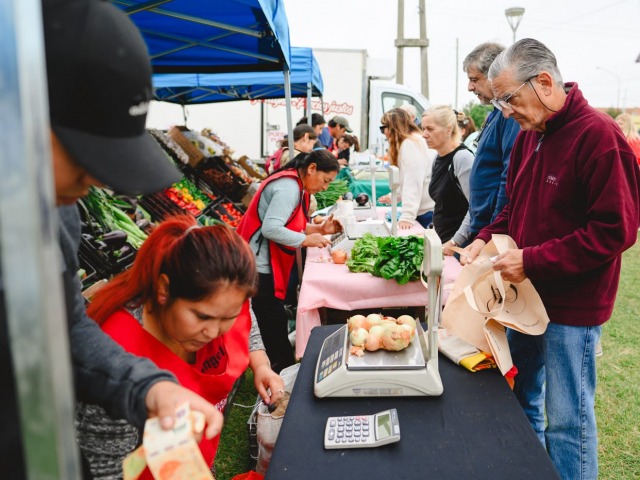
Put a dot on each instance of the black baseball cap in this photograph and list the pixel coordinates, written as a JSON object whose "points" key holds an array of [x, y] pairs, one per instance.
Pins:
{"points": [[99, 78]]}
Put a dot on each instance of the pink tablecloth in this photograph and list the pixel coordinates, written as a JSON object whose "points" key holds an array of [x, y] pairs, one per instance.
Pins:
{"points": [[325, 284]]}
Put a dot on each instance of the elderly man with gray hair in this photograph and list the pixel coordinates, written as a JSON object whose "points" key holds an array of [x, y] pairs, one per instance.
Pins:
{"points": [[573, 208], [488, 176]]}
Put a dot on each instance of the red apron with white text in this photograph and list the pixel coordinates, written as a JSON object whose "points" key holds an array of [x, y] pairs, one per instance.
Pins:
{"points": [[218, 364], [282, 256]]}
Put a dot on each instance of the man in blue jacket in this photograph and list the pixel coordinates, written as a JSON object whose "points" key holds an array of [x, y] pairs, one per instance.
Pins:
{"points": [[488, 176]]}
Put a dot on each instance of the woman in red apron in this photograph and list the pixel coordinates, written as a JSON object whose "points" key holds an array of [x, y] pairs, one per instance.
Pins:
{"points": [[276, 223], [184, 304]]}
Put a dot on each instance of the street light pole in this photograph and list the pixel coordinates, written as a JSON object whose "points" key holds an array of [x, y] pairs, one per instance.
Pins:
{"points": [[619, 81], [514, 17]]}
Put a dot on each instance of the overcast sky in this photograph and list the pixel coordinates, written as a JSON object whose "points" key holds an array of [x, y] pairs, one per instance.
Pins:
{"points": [[583, 34]]}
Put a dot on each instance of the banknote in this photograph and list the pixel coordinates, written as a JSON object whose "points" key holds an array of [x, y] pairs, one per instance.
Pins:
{"points": [[170, 454]]}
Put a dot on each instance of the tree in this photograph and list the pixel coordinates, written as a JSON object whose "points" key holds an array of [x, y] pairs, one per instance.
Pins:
{"points": [[477, 112]]}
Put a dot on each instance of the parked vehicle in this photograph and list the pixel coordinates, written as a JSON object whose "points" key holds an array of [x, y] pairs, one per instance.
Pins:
{"points": [[255, 128]]}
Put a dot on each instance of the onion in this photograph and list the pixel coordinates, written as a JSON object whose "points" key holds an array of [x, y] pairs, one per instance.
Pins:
{"points": [[406, 320], [395, 338], [358, 337], [374, 319], [339, 256], [357, 321], [373, 342]]}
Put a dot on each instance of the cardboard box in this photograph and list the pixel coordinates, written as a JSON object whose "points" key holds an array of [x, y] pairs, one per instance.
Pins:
{"points": [[194, 153], [251, 169]]}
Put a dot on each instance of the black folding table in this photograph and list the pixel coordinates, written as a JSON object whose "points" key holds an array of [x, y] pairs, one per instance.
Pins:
{"points": [[475, 430]]}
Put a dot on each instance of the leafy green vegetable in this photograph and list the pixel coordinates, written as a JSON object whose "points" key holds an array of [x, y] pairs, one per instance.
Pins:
{"points": [[332, 194], [400, 258], [364, 254], [392, 258]]}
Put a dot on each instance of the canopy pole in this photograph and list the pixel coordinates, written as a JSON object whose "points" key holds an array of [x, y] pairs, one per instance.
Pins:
{"points": [[287, 94], [309, 92], [30, 253]]}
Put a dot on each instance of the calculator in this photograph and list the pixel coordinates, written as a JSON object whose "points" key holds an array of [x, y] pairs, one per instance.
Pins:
{"points": [[362, 431]]}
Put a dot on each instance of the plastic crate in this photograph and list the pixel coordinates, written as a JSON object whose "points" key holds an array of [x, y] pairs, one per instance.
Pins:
{"points": [[218, 212], [214, 172], [103, 264], [159, 206]]}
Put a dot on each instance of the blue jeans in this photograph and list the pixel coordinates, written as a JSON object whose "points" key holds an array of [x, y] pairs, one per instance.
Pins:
{"points": [[557, 373]]}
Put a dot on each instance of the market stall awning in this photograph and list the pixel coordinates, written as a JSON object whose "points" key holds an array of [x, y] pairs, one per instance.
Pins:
{"points": [[188, 89], [200, 36]]}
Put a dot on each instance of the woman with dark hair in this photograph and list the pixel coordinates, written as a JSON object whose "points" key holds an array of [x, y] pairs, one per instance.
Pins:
{"points": [[304, 140], [344, 143], [184, 304], [276, 223], [468, 130], [409, 152]]}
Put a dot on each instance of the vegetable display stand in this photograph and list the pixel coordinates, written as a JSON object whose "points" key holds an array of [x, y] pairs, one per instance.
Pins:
{"points": [[188, 197], [159, 206], [222, 211], [105, 260], [177, 154], [194, 154], [216, 173]]}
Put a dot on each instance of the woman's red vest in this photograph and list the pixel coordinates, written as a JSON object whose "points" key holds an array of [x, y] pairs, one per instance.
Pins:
{"points": [[282, 256], [218, 364]]}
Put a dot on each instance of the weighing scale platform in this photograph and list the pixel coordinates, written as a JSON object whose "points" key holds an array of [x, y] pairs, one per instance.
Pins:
{"points": [[381, 373], [353, 231]]}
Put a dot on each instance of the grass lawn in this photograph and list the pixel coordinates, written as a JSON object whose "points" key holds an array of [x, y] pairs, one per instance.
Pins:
{"points": [[617, 400]]}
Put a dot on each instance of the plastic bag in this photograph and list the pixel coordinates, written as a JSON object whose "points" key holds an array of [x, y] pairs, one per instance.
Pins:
{"points": [[268, 425]]}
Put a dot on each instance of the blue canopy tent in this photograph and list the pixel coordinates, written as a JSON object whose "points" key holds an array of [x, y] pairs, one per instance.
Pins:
{"points": [[189, 89], [221, 36]]}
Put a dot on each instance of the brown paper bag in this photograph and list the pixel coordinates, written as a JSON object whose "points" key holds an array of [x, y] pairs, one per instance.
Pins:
{"points": [[482, 304]]}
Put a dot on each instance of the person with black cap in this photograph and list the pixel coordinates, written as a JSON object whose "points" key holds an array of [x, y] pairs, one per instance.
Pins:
{"points": [[99, 81]]}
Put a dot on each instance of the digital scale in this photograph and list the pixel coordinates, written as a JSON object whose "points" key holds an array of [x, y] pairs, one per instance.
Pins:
{"points": [[352, 231], [409, 372]]}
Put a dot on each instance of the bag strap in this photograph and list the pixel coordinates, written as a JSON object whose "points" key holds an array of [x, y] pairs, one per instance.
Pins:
{"points": [[491, 309]]}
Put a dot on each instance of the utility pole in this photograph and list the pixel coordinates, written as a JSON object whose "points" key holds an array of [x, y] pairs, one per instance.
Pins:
{"points": [[421, 43]]}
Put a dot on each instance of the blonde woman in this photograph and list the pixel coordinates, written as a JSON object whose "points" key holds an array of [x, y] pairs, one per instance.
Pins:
{"points": [[629, 129], [409, 152], [449, 185]]}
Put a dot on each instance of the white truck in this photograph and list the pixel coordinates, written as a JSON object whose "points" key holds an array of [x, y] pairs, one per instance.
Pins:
{"points": [[352, 89]]}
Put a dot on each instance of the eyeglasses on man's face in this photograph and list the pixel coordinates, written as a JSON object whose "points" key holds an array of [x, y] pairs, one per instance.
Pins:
{"points": [[383, 128], [503, 103]]}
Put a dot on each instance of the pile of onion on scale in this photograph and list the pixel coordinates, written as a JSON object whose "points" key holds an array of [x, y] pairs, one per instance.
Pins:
{"points": [[377, 332]]}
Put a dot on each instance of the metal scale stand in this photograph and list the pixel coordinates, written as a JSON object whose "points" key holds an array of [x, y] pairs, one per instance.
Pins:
{"points": [[410, 372]]}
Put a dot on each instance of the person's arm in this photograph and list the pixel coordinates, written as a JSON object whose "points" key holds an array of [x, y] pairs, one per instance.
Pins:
{"points": [[125, 385], [255, 338], [510, 130], [328, 226], [268, 383], [282, 198], [415, 167], [462, 162]]}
